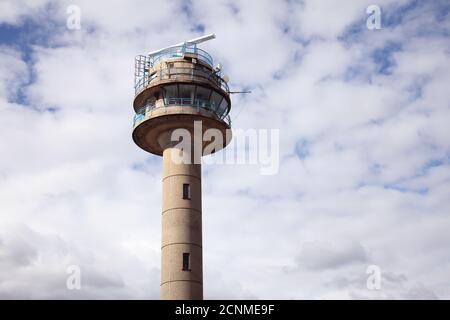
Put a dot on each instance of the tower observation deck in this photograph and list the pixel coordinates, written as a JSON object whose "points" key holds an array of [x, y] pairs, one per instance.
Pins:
{"points": [[175, 88]]}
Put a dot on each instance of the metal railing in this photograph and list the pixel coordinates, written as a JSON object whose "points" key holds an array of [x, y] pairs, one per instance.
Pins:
{"points": [[141, 66], [171, 102], [180, 73], [180, 51]]}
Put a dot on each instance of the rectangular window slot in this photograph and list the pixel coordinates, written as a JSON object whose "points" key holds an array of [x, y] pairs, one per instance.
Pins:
{"points": [[186, 191], [186, 261]]}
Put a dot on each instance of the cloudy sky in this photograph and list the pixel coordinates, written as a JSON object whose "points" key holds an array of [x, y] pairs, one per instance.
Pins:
{"points": [[364, 149]]}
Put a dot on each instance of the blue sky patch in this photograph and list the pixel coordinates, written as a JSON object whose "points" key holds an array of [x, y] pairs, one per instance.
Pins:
{"points": [[302, 148], [383, 57], [395, 187]]}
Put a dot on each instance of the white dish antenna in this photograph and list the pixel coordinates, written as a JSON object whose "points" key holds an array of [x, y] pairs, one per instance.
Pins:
{"points": [[186, 43]]}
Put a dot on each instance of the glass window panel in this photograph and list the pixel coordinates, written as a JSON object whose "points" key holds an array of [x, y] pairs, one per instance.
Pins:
{"points": [[170, 91], [202, 93], [222, 107], [216, 98], [186, 91]]}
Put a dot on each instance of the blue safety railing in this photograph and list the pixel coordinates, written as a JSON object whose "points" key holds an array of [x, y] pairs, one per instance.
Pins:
{"points": [[200, 103], [179, 52], [168, 102], [180, 73]]}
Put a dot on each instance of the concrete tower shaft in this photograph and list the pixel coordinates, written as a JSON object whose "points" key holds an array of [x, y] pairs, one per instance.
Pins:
{"points": [[181, 249]]}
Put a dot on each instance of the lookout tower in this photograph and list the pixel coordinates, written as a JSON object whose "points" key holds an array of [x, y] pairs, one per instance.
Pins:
{"points": [[175, 88]]}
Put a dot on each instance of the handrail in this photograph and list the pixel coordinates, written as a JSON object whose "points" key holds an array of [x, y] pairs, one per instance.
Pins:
{"points": [[171, 102], [186, 73], [179, 51]]}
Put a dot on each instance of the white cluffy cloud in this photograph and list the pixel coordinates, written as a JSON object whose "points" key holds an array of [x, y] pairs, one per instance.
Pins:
{"points": [[364, 168]]}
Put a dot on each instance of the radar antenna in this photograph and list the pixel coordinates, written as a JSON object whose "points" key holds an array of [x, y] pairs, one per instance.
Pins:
{"points": [[192, 42]]}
